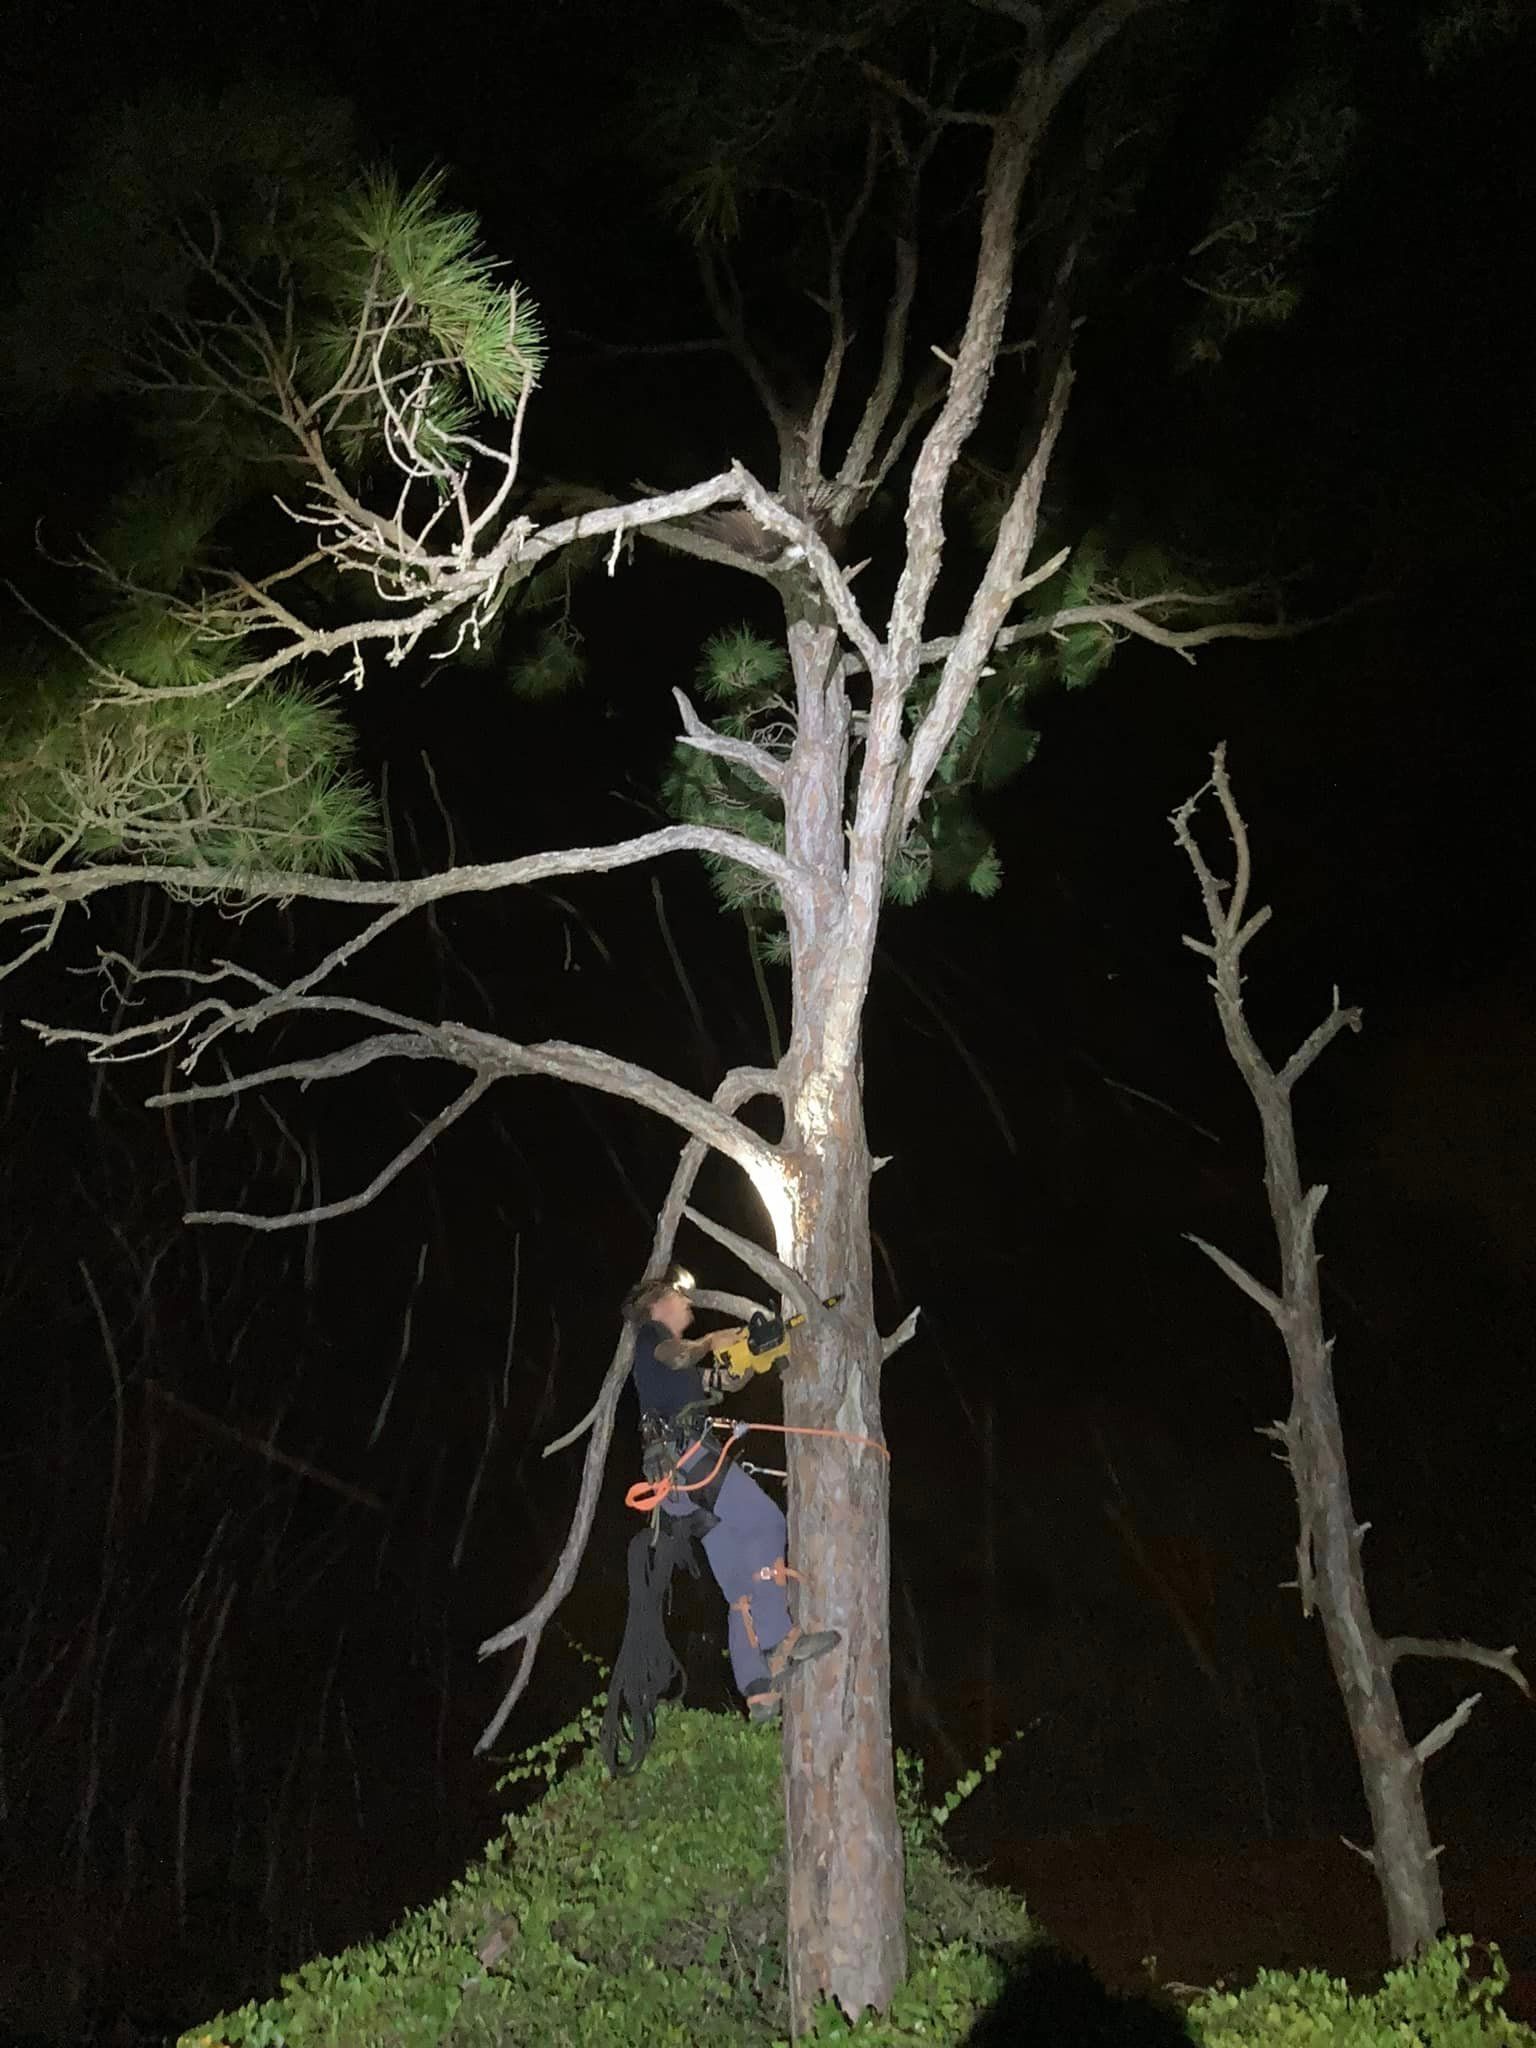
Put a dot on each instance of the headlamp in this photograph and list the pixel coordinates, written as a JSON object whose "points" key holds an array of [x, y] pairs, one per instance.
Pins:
{"points": [[682, 1280]]}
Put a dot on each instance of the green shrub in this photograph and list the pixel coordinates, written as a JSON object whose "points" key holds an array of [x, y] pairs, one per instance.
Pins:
{"points": [[638, 1913], [648, 1912], [1435, 2001]]}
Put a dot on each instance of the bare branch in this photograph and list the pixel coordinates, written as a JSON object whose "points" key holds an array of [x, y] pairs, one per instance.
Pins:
{"points": [[1242, 879], [745, 754], [903, 1333], [758, 1260], [1229, 935], [995, 592], [1007, 165], [29, 895], [1461, 1652], [855, 472], [1446, 1730], [529, 1629], [1134, 615], [426, 1137], [922, 402], [685, 540], [1271, 1304], [1184, 639], [486, 1053], [724, 299], [837, 344], [428, 586], [262, 1447], [724, 1303], [704, 547], [800, 533], [1318, 1041], [1092, 34], [944, 117]]}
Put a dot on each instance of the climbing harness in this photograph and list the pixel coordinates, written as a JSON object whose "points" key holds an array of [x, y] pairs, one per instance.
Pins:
{"points": [[646, 1495]]}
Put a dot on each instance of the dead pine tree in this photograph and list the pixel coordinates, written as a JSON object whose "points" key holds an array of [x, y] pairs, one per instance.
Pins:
{"points": [[1330, 1575]]}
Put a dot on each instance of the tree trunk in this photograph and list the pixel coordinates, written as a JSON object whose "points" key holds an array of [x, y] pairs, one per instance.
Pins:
{"points": [[847, 1905], [846, 1931], [1329, 1573]]}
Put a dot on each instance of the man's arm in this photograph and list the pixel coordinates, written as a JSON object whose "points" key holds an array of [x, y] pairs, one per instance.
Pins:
{"points": [[681, 1352]]}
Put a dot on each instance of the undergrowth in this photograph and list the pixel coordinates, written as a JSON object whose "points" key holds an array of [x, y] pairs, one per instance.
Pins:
{"points": [[648, 1912]]}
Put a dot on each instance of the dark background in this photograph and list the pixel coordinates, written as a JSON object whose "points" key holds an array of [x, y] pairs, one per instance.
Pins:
{"points": [[239, 1706]]}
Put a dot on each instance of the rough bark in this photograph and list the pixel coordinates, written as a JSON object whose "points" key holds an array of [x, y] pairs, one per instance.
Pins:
{"points": [[1330, 1570], [1330, 1573], [846, 1895], [847, 1918]]}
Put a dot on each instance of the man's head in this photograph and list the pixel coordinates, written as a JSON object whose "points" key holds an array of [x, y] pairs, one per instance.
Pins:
{"points": [[663, 1300]]}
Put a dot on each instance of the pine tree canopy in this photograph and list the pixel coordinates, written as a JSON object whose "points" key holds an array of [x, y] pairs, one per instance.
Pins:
{"points": [[264, 298]]}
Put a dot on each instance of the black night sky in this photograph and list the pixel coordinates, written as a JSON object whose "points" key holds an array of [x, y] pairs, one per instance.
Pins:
{"points": [[1088, 1534]]}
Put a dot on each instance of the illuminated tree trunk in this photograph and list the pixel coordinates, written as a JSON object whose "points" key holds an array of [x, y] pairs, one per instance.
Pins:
{"points": [[846, 1921], [846, 1932]]}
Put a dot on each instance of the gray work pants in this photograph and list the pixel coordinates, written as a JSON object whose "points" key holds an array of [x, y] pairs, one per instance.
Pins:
{"points": [[749, 1541]]}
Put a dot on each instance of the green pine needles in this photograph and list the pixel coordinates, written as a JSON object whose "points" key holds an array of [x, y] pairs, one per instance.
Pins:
{"points": [[413, 322], [253, 785], [357, 332], [743, 676]]}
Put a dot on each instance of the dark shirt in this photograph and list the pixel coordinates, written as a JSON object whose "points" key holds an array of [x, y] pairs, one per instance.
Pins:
{"points": [[663, 1389]]}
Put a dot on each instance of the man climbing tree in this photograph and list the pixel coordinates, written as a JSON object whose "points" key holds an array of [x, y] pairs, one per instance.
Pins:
{"points": [[709, 1498]]}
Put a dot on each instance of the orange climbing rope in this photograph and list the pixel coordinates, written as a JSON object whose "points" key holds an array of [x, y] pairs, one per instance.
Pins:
{"points": [[646, 1495], [800, 1429]]}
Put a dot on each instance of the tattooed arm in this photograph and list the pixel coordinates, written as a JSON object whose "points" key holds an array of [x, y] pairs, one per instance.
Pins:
{"points": [[679, 1352]]}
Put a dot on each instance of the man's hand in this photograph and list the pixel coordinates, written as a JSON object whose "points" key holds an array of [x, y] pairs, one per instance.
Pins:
{"points": [[720, 1376], [678, 1352]]}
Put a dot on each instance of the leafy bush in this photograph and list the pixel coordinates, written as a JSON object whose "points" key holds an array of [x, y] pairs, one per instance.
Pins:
{"points": [[638, 1913], [648, 1912], [1435, 2001]]}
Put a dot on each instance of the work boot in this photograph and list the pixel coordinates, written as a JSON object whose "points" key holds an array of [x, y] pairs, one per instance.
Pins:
{"points": [[764, 1704], [800, 1649], [804, 1648]]}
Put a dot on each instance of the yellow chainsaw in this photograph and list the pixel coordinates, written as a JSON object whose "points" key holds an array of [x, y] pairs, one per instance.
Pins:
{"points": [[765, 1343]]}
